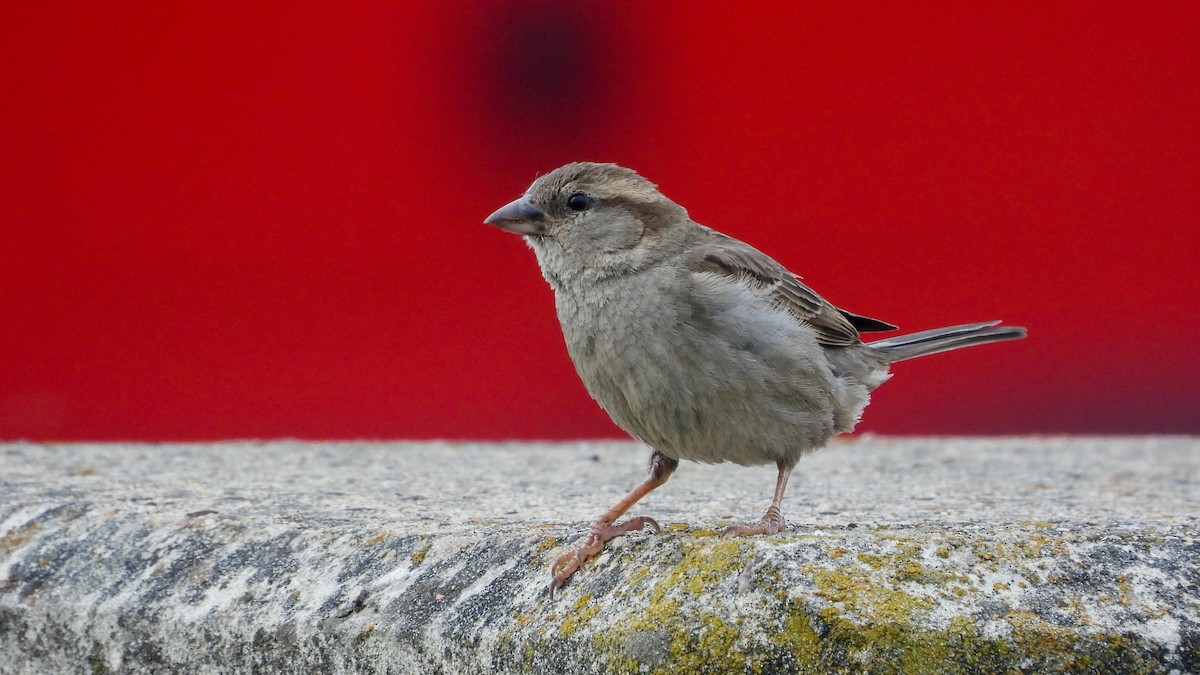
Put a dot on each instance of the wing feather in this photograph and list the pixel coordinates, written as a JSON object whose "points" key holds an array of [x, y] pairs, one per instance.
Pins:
{"points": [[832, 327]]}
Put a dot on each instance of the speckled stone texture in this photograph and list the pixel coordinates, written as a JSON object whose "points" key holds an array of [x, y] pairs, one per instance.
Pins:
{"points": [[913, 555]]}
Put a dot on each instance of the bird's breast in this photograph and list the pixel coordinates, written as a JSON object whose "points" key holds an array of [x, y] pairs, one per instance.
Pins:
{"points": [[698, 375]]}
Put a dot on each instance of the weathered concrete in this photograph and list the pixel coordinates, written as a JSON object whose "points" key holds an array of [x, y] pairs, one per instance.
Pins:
{"points": [[917, 555]]}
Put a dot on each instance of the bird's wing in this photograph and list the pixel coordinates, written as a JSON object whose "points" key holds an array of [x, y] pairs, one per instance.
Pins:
{"points": [[831, 326]]}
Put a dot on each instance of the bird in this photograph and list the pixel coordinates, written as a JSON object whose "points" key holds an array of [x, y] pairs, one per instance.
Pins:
{"points": [[696, 343]]}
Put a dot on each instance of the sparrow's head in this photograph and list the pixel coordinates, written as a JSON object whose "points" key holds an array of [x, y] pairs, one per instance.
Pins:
{"points": [[600, 216]]}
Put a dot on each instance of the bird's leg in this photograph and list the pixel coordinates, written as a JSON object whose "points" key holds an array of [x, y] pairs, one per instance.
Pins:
{"points": [[772, 521], [603, 529]]}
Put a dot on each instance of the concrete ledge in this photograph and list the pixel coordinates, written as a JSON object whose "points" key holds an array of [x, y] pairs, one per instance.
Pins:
{"points": [[915, 555]]}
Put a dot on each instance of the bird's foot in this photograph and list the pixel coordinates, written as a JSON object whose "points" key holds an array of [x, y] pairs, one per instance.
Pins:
{"points": [[771, 523], [601, 531]]}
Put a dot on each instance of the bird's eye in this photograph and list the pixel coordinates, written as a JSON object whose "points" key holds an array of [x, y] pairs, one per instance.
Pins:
{"points": [[579, 201]]}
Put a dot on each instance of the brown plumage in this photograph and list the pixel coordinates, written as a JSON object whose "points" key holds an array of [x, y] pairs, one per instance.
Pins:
{"points": [[700, 345]]}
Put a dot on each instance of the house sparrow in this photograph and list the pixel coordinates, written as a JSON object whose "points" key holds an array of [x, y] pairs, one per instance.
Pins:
{"points": [[697, 343]]}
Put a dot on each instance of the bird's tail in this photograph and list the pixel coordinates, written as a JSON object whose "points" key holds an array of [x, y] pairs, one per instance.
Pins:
{"points": [[937, 340]]}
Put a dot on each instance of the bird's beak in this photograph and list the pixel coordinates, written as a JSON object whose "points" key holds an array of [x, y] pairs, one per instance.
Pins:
{"points": [[519, 217]]}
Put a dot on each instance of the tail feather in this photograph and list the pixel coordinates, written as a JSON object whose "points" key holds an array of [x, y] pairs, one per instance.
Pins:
{"points": [[944, 339]]}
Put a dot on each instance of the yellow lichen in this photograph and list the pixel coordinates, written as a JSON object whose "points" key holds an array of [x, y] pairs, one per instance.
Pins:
{"points": [[1125, 589], [1039, 524], [707, 565], [862, 596], [580, 614], [706, 644], [873, 560], [419, 555], [366, 632], [872, 612], [17, 537], [798, 640]]}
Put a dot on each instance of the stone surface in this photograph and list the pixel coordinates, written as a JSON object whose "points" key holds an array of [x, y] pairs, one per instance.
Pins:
{"points": [[913, 555]]}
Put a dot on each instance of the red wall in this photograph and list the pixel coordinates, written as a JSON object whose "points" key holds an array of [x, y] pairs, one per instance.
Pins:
{"points": [[256, 222]]}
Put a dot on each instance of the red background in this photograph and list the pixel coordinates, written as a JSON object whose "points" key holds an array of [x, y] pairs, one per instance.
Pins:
{"points": [[241, 220]]}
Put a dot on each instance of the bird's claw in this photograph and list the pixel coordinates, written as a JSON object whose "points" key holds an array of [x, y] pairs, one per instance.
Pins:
{"points": [[771, 523], [601, 531]]}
